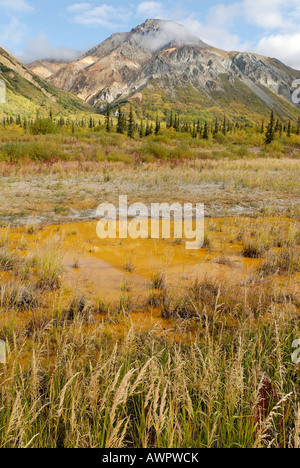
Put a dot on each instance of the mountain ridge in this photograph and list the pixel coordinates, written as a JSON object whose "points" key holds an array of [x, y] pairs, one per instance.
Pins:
{"points": [[164, 55]]}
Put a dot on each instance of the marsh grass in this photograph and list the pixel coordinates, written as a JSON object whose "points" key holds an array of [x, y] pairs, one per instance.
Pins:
{"points": [[255, 249], [76, 264], [31, 229], [102, 307], [4, 237], [79, 310], [158, 281], [8, 260], [129, 266], [18, 296], [287, 262], [50, 267], [207, 244], [258, 243], [202, 300], [210, 298], [147, 392], [125, 287]]}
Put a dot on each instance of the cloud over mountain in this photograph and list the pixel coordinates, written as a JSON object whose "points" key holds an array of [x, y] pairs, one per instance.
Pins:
{"points": [[40, 47]]}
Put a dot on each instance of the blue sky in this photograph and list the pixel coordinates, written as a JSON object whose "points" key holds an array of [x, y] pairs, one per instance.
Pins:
{"points": [[60, 29]]}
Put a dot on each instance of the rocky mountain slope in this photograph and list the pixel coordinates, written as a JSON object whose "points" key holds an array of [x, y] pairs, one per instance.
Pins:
{"points": [[160, 62], [27, 92], [46, 68]]}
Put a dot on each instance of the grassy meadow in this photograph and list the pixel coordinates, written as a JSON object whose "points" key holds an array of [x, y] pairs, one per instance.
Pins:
{"points": [[212, 367]]}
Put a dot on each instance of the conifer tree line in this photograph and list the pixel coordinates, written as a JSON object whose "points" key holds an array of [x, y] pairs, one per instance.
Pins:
{"points": [[127, 125], [224, 126], [275, 127]]}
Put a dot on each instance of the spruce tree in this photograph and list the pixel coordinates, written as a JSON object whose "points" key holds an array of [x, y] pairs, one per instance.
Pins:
{"points": [[131, 124], [107, 118], [157, 126], [270, 135], [194, 132], [289, 130], [170, 123], [205, 135], [224, 126], [142, 130], [147, 132], [216, 129], [120, 125], [177, 123]]}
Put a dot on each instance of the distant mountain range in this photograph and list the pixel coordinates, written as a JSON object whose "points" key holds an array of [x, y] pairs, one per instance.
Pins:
{"points": [[160, 65]]}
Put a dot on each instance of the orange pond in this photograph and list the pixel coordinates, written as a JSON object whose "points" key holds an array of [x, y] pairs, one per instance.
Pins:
{"points": [[102, 265]]}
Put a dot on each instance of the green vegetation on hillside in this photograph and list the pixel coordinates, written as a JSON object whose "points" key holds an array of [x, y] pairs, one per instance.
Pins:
{"points": [[239, 103], [29, 98]]}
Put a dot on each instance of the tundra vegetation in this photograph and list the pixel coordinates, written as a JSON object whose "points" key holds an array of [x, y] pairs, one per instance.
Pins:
{"points": [[213, 367]]}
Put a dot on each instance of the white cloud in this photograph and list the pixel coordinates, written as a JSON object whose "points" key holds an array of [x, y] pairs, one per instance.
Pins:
{"points": [[279, 21], [41, 48], [266, 14], [102, 15], [151, 10], [284, 47], [16, 5], [168, 32], [79, 7], [272, 14], [215, 36], [215, 27], [13, 33], [281, 30]]}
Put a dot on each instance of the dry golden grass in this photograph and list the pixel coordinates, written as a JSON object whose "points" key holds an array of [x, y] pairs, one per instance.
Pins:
{"points": [[224, 379], [79, 389]]}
